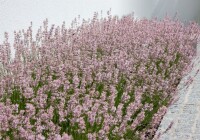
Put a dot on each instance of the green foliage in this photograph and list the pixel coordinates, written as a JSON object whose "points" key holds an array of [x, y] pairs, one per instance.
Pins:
{"points": [[65, 126], [56, 116], [32, 121], [159, 69], [178, 56], [92, 128], [36, 88], [130, 135], [69, 76], [73, 130], [78, 136], [120, 89], [167, 74], [8, 134], [114, 137], [132, 98], [17, 98], [145, 123], [33, 75], [22, 103], [157, 102], [146, 98], [70, 91], [61, 88], [99, 88], [134, 116], [48, 101], [54, 76], [99, 53]]}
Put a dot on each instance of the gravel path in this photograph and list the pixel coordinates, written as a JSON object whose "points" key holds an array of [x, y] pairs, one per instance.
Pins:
{"points": [[183, 117]]}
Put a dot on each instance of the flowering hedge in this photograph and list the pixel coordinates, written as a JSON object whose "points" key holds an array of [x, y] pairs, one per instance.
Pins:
{"points": [[108, 78]]}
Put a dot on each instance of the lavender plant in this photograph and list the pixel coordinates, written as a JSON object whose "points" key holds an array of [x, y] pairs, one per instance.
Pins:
{"points": [[110, 78]]}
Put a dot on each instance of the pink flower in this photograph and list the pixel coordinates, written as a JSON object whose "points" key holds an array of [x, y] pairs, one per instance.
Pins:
{"points": [[40, 137], [66, 137]]}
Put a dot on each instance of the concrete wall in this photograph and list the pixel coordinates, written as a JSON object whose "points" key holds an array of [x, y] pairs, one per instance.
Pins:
{"points": [[186, 9]]}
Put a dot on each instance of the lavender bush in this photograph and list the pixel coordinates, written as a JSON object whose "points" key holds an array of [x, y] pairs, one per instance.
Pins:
{"points": [[107, 78]]}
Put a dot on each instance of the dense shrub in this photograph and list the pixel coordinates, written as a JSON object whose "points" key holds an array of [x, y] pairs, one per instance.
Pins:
{"points": [[108, 78]]}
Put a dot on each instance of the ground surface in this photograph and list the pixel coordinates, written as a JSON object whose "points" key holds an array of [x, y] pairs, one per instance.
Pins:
{"points": [[184, 115]]}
